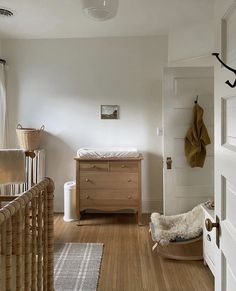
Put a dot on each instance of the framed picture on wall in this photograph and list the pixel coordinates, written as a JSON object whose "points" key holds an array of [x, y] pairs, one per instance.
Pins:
{"points": [[109, 112]]}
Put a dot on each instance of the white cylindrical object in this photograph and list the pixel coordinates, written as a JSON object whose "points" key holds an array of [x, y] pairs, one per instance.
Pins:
{"points": [[100, 9], [70, 201]]}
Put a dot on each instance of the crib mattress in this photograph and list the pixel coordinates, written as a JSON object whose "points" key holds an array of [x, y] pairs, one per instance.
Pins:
{"points": [[108, 152]]}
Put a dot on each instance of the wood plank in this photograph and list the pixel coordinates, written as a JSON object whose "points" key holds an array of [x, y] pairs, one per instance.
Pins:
{"points": [[108, 194], [128, 263], [111, 208], [139, 194], [110, 180], [123, 166], [104, 203], [93, 166], [78, 188]]}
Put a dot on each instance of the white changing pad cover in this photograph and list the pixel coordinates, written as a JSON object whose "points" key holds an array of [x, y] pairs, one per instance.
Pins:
{"points": [[108, 152]]}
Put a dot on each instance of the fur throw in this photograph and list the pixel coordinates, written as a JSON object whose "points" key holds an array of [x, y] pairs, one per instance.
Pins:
{"points": [[185, 226]]}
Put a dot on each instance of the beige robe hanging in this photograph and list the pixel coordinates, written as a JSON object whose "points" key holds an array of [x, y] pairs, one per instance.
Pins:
{"points": [[196, 140]]}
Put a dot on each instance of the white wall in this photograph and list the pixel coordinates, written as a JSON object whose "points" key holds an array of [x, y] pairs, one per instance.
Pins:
{"points": [[192, 45], [62, 83], [201, 61], [0, 48]]}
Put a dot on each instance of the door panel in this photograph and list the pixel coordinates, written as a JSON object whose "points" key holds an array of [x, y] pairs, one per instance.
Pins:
{"points": [[187, 86], [230, 22], [185, 187], [225, 146], [228, 122]]}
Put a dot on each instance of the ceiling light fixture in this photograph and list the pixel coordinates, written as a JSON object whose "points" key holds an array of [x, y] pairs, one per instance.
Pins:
{"points": [[100, 9], [6, 12]]}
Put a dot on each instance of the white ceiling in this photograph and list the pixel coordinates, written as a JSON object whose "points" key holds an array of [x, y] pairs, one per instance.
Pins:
{"points": [[64, 18]]}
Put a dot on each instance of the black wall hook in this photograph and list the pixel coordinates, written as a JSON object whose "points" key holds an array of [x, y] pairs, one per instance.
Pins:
{"points": [[2, 61], [196, 101], [227, 67]]}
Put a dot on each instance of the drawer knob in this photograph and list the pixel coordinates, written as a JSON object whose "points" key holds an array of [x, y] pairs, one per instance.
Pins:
{"points": [[210, 225], [94, 166], [87, 197], [86, 180], [129, 180], [129, 197], [123, 166]]}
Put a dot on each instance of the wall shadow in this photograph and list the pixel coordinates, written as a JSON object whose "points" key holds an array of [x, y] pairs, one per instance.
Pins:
{"points": [[60, 165], [152, 181]]}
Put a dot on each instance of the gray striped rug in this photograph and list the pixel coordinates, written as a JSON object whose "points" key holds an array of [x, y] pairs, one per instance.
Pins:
{"points": [[77, 266]]}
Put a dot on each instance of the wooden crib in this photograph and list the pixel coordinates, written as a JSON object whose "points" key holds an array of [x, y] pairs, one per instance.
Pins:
{"points": [[26, 239]]}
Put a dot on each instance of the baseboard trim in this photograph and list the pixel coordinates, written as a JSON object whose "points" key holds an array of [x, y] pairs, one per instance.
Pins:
{"points": [[149, 206]]}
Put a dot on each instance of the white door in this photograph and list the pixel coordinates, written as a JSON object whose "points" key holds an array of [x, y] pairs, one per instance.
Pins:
{"points": [[185, 187], [225, 147]]}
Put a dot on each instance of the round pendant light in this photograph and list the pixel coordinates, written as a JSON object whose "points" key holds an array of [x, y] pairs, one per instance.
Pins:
{"points": [[100, 9]]}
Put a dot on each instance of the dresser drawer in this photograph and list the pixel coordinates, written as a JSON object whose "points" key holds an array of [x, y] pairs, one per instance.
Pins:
{"points": [[108, 194], [112, 204], [94, 166], [124, 166], [110, 180]]}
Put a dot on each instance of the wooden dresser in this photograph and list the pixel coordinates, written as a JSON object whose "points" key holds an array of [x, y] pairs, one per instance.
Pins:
{"points": [[109, 184]]}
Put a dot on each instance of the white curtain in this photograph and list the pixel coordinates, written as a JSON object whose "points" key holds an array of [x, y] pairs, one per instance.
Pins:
{"points": [[3, 102]]}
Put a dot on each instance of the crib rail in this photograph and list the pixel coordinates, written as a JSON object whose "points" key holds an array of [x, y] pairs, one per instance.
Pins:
{"points": [[26, 240]]}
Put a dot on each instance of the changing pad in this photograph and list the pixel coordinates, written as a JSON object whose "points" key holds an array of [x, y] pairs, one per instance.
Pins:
{"points": [[108, 152]]}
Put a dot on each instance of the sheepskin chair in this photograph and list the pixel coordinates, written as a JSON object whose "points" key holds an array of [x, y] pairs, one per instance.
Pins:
{"points": [[183, 226]]}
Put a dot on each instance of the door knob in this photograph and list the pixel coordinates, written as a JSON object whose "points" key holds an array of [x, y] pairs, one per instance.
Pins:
{"points": [[169, 163], [210, 225]]}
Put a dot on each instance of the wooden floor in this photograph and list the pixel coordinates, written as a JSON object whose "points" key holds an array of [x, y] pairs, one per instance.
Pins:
{"points": [[128, 262]]}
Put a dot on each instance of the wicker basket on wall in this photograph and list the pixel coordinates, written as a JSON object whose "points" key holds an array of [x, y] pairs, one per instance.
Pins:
{"points": [[29, 138]]}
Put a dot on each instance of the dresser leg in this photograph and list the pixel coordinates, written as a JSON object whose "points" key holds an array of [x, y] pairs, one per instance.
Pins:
{"points": [[78, 217], [139, 215]]}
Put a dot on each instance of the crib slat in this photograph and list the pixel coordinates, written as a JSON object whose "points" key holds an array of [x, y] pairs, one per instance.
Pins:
{"points": [[36, 167], [19, 250], [45, 240], [50, 255], [40, 247], [27, 249], [2, 250], [1, 283], [9, 254], [14, 234], [14, 239], [1, 266], [3, 238], [34, 246]]}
